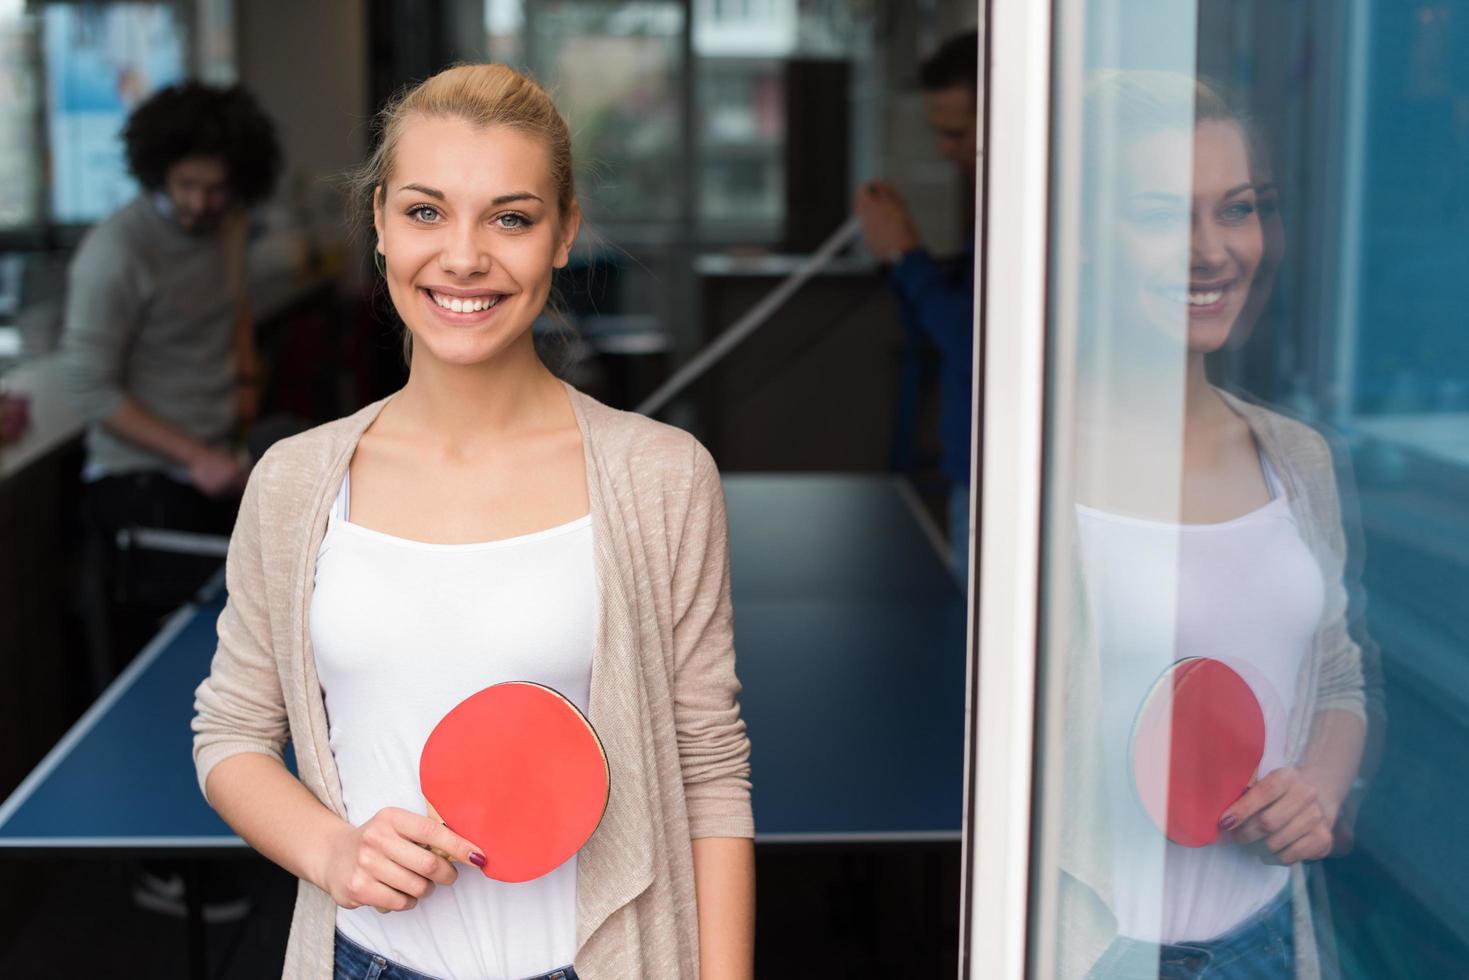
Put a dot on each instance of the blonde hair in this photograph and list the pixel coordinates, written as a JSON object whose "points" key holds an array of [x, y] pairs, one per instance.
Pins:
{"points": [[1124, 104], [484, 95], [1121, 105]]}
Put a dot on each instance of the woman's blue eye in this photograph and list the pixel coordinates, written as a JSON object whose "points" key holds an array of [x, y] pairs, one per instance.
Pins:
{"points": [[424, 213], [1158, 217], [1238, 212], [512, 221]]}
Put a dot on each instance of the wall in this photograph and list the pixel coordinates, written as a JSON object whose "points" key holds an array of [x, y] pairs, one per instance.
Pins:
{"points": [[307, 64]]}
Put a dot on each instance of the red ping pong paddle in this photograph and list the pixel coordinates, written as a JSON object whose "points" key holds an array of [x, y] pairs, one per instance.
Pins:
{"points": [[1196, 747], [518, 771]]}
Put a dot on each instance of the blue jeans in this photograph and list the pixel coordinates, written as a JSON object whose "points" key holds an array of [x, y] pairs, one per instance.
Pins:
{"points": [[1260, 948], [355, 963]]}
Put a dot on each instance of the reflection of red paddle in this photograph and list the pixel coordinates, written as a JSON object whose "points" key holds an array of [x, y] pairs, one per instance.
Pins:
{"points": [[1196, 746], [517, 770]]}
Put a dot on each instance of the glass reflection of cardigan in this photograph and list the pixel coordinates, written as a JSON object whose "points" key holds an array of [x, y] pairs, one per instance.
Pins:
{"points": [[1334, 676]]}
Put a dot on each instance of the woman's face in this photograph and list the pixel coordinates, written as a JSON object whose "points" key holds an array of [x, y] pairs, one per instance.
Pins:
{"points": [[1188, 235], [470, 232]]}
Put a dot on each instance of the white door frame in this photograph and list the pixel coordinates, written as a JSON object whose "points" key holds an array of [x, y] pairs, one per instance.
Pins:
{"points": [[1010, 360]]}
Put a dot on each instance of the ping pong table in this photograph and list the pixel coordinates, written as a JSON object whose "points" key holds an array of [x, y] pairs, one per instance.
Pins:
{"points": [[850, 644]]}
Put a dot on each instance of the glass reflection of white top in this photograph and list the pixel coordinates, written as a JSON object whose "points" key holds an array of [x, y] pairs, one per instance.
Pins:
{"points": [[1245, 591]]}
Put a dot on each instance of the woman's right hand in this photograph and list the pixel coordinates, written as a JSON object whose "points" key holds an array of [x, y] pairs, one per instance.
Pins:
{"points": [[386, 862]]}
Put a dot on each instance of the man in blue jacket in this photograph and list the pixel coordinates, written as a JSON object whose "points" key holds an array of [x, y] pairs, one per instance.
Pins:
{"points": [[937, 297]]}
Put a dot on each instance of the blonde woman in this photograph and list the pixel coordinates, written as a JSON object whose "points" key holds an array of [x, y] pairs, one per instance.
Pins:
{"points": [[485, 523]]}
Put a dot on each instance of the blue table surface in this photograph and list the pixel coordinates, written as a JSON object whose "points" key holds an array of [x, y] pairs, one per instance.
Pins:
{"points": [[849, 635]]}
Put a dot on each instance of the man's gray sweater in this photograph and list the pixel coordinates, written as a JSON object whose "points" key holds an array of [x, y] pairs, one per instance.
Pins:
{"points": [[151, 312]]}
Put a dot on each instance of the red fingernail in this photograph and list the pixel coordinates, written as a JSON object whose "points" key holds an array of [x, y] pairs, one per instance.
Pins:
{"points": [[477, 859], [1228, 822]]}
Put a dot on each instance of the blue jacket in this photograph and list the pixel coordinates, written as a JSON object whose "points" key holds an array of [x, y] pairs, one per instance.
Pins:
{"points": [[938, 306]]}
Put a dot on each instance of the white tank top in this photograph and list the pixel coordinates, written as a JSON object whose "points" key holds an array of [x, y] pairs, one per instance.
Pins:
{"points": [[1247, 592], [403, 631]]}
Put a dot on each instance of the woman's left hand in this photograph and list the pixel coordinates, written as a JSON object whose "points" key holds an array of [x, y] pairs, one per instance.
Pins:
{"points": [[1289, 813]]}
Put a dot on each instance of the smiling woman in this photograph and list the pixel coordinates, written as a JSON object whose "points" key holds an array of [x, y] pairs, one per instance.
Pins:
{"points": [[485, 524]]}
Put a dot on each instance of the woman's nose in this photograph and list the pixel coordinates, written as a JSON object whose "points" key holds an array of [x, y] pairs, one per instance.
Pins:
{"points": [[1206, 245], [464, 255]]}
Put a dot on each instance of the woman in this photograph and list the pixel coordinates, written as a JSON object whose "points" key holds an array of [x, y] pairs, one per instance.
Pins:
{"points": [[485, 523], [1219, 537]]}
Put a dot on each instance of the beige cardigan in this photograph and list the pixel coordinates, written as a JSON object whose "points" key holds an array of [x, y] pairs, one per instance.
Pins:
{"points": [[663, 689]]}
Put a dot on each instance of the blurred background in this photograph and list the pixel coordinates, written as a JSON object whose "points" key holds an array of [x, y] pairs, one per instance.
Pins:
{"points": [[718, 143]]}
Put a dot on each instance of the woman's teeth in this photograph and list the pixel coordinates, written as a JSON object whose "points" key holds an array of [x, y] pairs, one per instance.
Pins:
{"points": [[1196, 297], [471, 304]]}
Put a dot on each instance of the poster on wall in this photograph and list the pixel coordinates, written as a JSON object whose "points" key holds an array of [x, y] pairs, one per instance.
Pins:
{"points": [[101, 62]]}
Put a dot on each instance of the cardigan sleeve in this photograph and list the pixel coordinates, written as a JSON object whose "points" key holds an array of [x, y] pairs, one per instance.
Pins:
{"points": [[1343, 683], [714, 752], [239, 707]]}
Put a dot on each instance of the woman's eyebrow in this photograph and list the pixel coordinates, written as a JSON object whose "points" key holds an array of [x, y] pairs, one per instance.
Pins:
{"points": [[517, 196], [438, 195], [1257, 188]]}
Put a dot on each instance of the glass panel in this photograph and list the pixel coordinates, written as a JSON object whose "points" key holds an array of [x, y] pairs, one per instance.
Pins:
{"points": [[742, 140], [101, 62], [1255, 666], [743, 53], [616, 69], [619, 74]]}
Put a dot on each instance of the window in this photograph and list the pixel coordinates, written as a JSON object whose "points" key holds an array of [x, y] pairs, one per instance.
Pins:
{"points": [[1242, 342], [101, 62]]}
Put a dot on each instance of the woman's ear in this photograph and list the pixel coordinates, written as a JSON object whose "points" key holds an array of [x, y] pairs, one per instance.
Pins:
{"points": [[377, 216], [569, 227]]}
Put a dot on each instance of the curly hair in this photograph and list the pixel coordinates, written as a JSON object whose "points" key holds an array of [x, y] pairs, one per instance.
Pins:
{"points": [[194, 119]]}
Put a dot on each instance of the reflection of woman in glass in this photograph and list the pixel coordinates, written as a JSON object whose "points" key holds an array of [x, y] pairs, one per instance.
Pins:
{"points": [[1207, 527]]}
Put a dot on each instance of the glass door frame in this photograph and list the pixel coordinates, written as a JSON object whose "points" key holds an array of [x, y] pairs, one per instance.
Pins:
{"points": [[1009, 427]]}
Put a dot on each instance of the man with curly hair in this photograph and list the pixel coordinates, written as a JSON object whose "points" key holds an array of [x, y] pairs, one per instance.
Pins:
{"points": [[158, 355], [157, 347]]}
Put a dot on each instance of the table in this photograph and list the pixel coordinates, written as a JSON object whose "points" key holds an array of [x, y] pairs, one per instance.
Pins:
{"points": [[850, 644], [54, 422], [850, 639]]}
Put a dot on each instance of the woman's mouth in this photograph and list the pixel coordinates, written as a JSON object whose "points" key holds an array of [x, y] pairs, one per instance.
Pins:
{"points": [[462, 309], [1202, 299]]}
